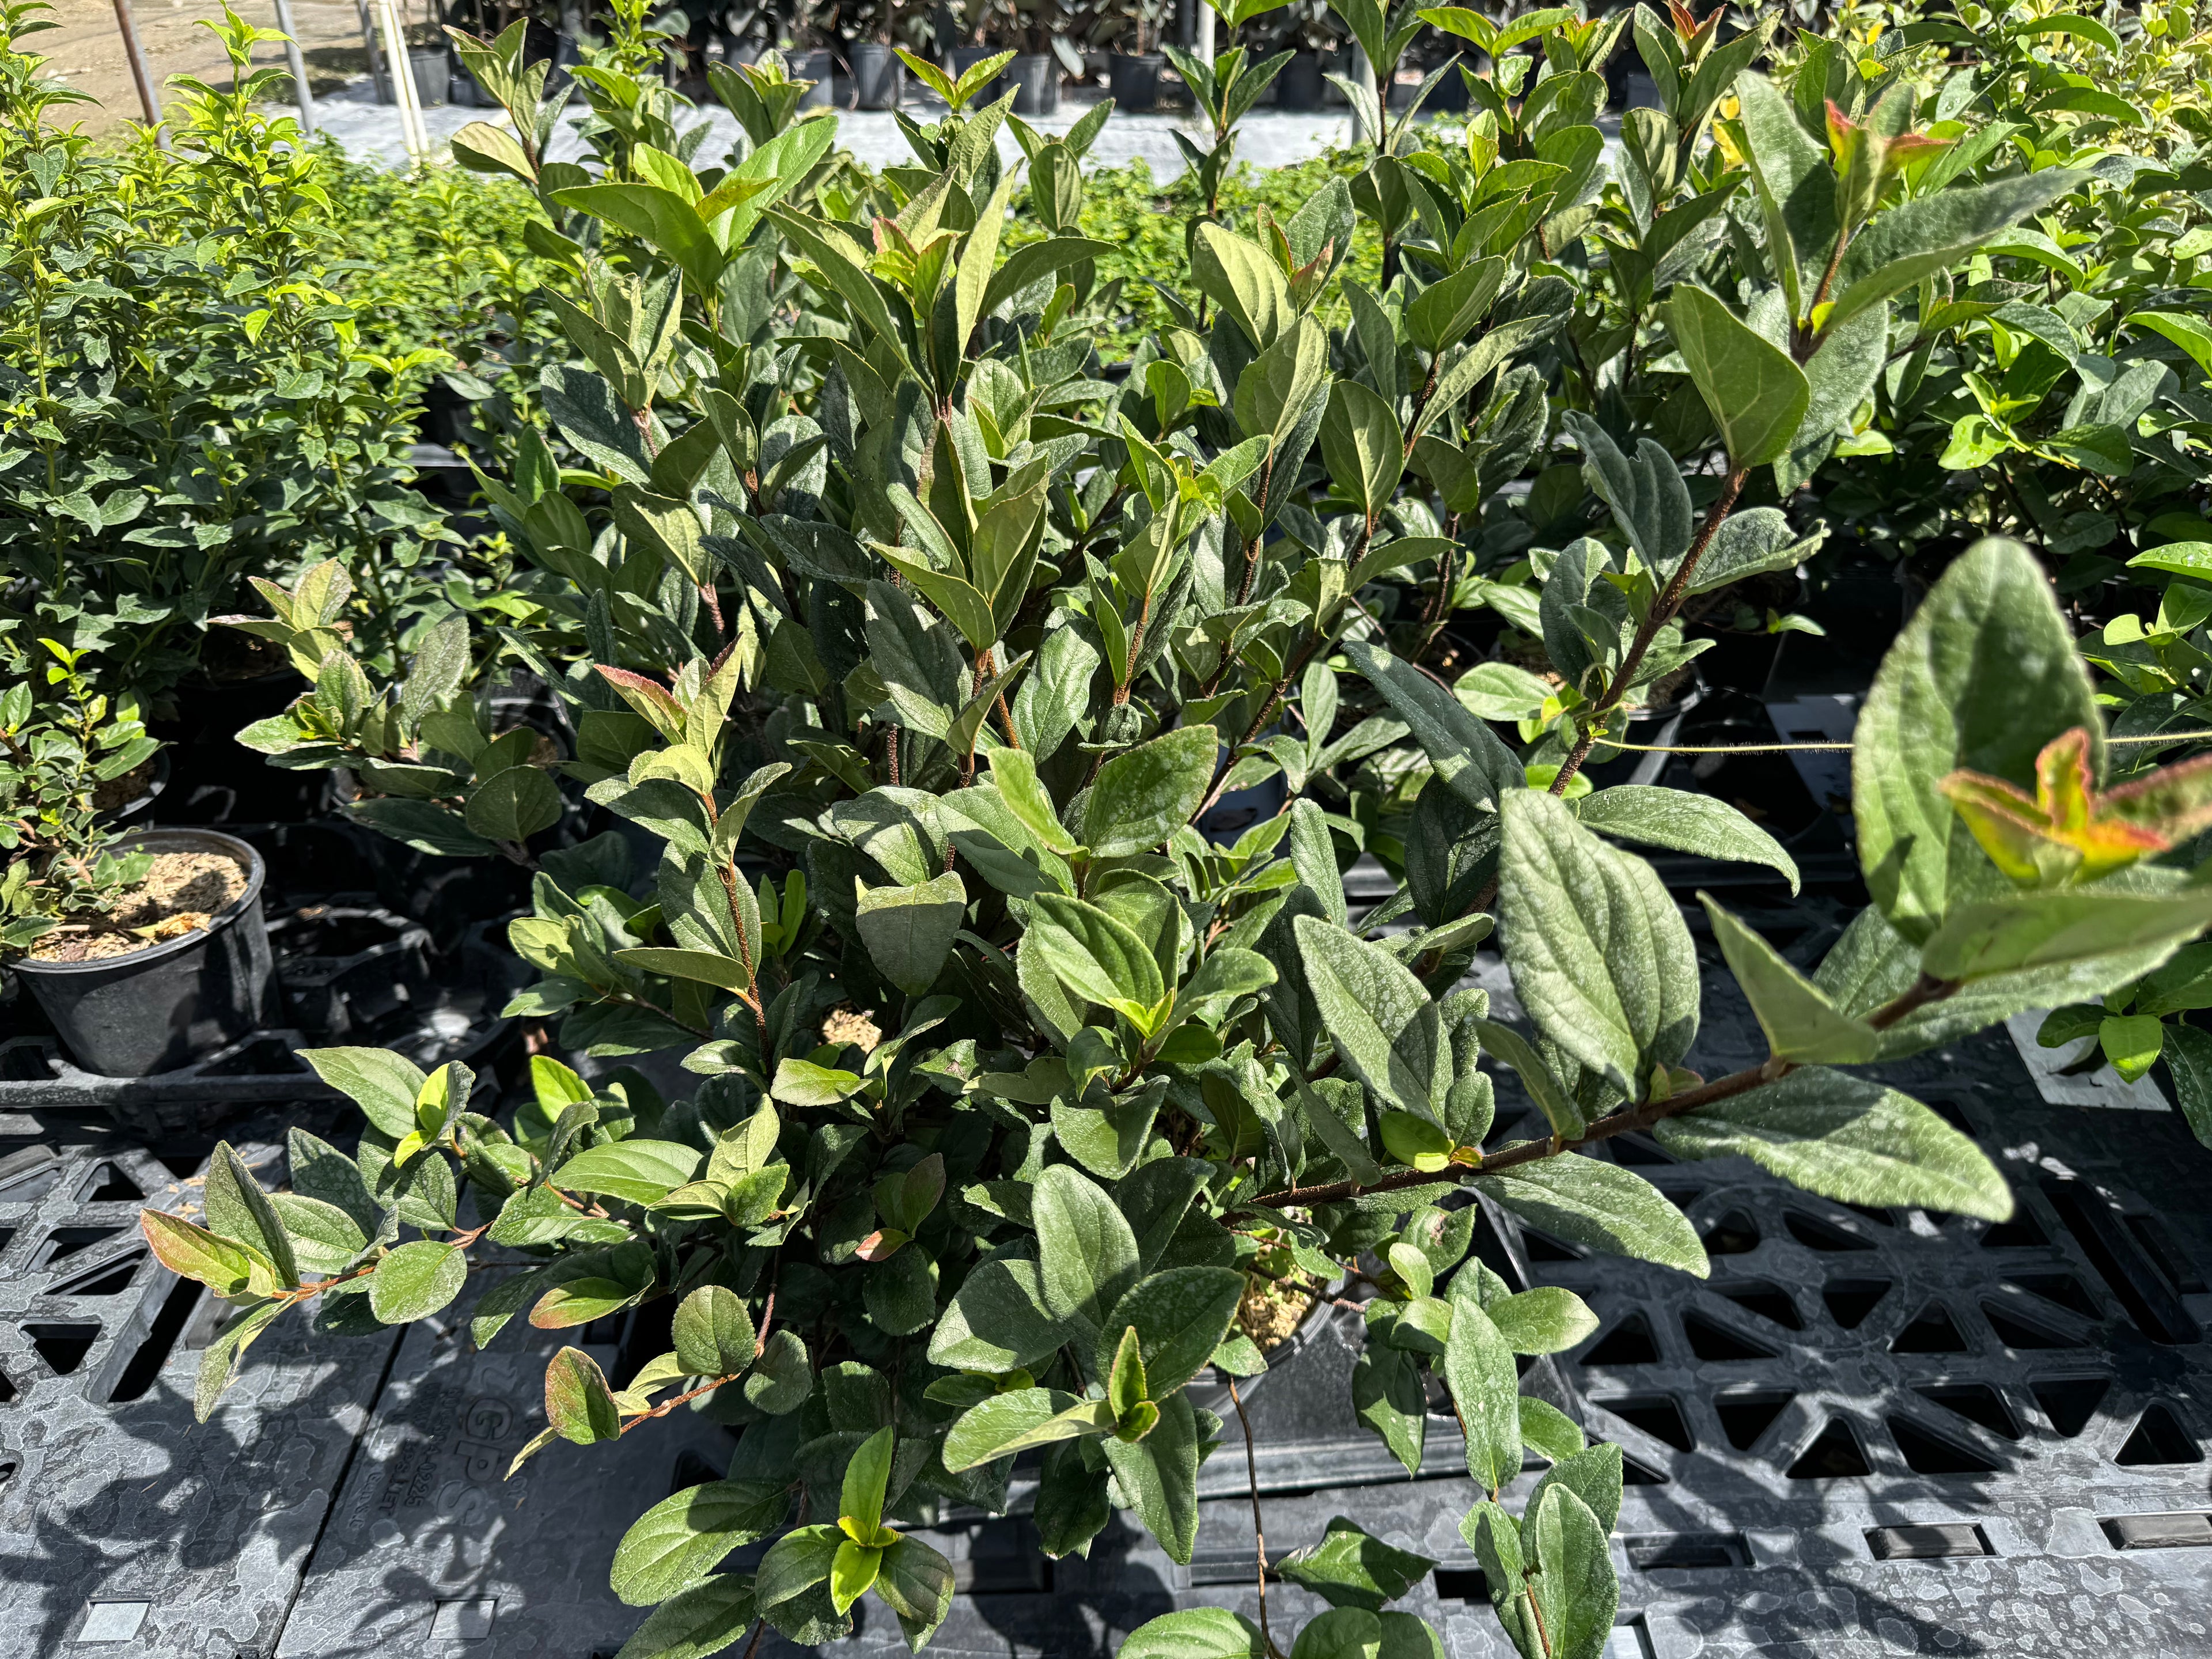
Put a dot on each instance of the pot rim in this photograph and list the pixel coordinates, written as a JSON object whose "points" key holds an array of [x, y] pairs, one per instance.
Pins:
{"points": [[246, 853]]}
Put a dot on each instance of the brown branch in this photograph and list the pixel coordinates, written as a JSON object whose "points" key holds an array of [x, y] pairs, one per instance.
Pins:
{"points": [[1661, 612], [1922, 991], [1259, 1534]]}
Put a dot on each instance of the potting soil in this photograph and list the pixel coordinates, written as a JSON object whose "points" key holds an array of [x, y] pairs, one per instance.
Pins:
{"points": [[181, 893]]}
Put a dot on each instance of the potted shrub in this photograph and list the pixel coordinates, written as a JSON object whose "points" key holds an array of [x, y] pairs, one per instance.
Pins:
{"points": [[1041, 27], [805, 42], [144, 949], [1133, 73], [878, 77], [920, 649], [1307, 28]]}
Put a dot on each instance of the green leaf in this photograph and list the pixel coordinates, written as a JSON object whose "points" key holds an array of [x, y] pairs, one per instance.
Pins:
{"points": [[1013, 773], [1601, 1204], [1485, 1387], [1599, 955], [1108, 1139], [1019, 1418], [237, 1209], [703, 1619], [1159, 1475], [641, 1171], [1753, 541], [965, 608], [1388, 1397], [1552, 1098], [795, 1564], [997, 1320], [1094, 955], [659, 217], [415, 1280], [1351, 1568], [977, 256], [382, 1083], [1243, 279], [916, 1582], [682, 1538], [1469, 759], [867, 1478], [1545, 1319], [1930, 233], [1279, 385], [2188, 1053], [1196, 1633], [220, 1361], [1794, 184], [1683, 822], [781, 1378], [1145, 796], [1983, 677], [1376, 1013], [1179, 1316], [514, 804], [1756, 395], [1086, 1252], [1574, 1588], [1548, 1431], [1356, 1633], [1800, 1021], [802, 1083], [2060, 929], [909, 930], [578, 1403], [1593, 1474], [712, 1333], [1362, 444], [1035, 260], [1848, 1139], [2131, 1042], [700, 967], [2193, 336]]}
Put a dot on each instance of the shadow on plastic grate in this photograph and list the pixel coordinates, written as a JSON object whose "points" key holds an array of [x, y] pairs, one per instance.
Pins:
{"points": [[121, 1521], [1868, 1432]]}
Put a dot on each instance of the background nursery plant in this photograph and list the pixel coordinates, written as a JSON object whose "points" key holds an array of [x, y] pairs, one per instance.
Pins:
{"points": [[987, 736]]}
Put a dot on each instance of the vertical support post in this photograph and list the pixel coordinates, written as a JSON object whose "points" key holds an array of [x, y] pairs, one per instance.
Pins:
{"points": [[1205, 33], [377, 78], [147, 100], [411, 130], [299, 67], [1363, 74]]}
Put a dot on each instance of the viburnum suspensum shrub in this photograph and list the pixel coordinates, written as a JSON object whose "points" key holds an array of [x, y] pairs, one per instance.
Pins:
{"points": [[919, 655]]}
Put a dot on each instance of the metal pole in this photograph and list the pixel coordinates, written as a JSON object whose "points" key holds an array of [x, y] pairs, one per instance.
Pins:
{"points": [[139, 73], [377, 79], [299, 67], [1363, 74], [1206, 34]]}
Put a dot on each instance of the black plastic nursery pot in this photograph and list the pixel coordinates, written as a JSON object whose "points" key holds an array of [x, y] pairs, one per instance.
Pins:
{"points": [[165, 1006], [1035, 76], [816, 66], [1134, 79], [878, 77], [1301, 85]]}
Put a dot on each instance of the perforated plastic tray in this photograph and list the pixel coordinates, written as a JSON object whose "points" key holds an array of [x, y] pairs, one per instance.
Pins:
{"points": [[125, 1527], [1870, 1432]]}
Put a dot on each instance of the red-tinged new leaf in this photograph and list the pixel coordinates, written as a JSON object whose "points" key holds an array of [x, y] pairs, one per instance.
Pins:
{"points": [[578, 1402], [191, 1251]]}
